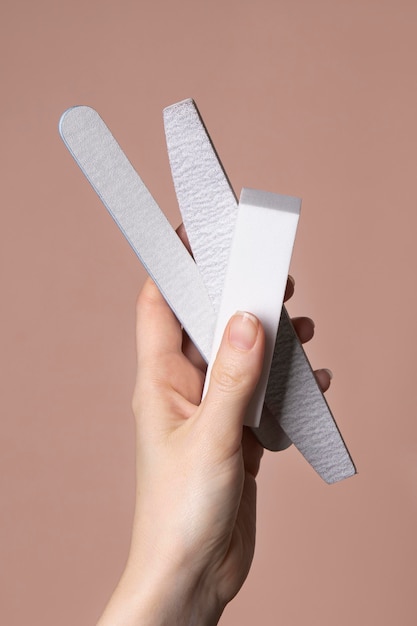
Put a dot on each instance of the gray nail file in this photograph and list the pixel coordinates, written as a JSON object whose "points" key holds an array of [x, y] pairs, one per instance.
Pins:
{"points": [[208, 207], [142, 222], [304, 413]]}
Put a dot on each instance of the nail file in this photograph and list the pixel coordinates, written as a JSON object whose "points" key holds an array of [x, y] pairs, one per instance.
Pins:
{"points": [[256, 275], [145, 227], [294, 395], [208, 208], [206, 200], [142, 222], [167, 261], [294, 401]]}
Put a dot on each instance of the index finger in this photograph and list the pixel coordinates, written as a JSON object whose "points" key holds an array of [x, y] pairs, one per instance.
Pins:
{"points": [[158, 331]]}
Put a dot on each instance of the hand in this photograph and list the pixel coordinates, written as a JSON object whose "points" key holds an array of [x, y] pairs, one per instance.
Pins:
{"points": [[194, 526]]}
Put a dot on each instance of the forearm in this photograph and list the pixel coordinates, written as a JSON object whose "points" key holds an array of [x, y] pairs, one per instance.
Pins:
{"points": [[194, 526]]}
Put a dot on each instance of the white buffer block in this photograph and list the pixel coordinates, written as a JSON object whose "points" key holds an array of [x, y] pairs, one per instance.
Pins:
{"points": [[257, 273]]}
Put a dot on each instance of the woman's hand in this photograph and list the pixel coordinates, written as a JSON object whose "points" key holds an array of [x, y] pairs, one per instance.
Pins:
{"points": [[194, 527]]}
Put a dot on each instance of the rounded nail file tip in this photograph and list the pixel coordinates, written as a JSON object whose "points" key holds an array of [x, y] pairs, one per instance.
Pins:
{"points": [[140, 219]]}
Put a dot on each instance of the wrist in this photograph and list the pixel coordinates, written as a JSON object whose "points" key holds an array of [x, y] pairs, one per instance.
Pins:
{"points": [[151, 598]]}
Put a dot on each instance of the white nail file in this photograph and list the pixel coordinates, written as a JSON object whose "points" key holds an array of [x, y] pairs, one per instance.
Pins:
{"points": [[256, 274], [141, 220]]}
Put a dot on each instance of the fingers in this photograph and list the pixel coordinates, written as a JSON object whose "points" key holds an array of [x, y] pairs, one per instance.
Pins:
{"points": [[324, 377], [289, 289], [192, 354], [234, 376], [304, 327], [157, 329], [252, 452]]}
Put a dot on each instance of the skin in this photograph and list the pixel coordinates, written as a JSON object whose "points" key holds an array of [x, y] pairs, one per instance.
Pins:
{"points": [[193, 534]]}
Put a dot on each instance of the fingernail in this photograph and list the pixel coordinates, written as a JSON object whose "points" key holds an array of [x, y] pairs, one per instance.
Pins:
{"points": [[291, 279], [330, 373], [243, 330]]}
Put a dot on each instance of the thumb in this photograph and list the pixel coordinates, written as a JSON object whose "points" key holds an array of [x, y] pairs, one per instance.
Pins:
{"points": [[234, 375]]}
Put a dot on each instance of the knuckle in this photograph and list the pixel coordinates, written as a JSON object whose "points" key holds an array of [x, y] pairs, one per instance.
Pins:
{"points": [[228, 379], [148, 295]]}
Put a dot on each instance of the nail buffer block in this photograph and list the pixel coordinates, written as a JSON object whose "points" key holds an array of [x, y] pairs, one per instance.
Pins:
{"points": [[256, 274]]}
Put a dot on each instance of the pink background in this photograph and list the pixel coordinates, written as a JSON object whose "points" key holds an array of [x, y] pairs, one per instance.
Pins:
{"points": [[310, 98]]}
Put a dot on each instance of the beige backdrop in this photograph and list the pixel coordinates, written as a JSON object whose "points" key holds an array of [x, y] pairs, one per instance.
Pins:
{"points": [[310, 98]]}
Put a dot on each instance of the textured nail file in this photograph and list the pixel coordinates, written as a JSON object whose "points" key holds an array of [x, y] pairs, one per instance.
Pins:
{"points": [[303, 409], [208, 207], [135, 211], [256, 275], [142, 222]]}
